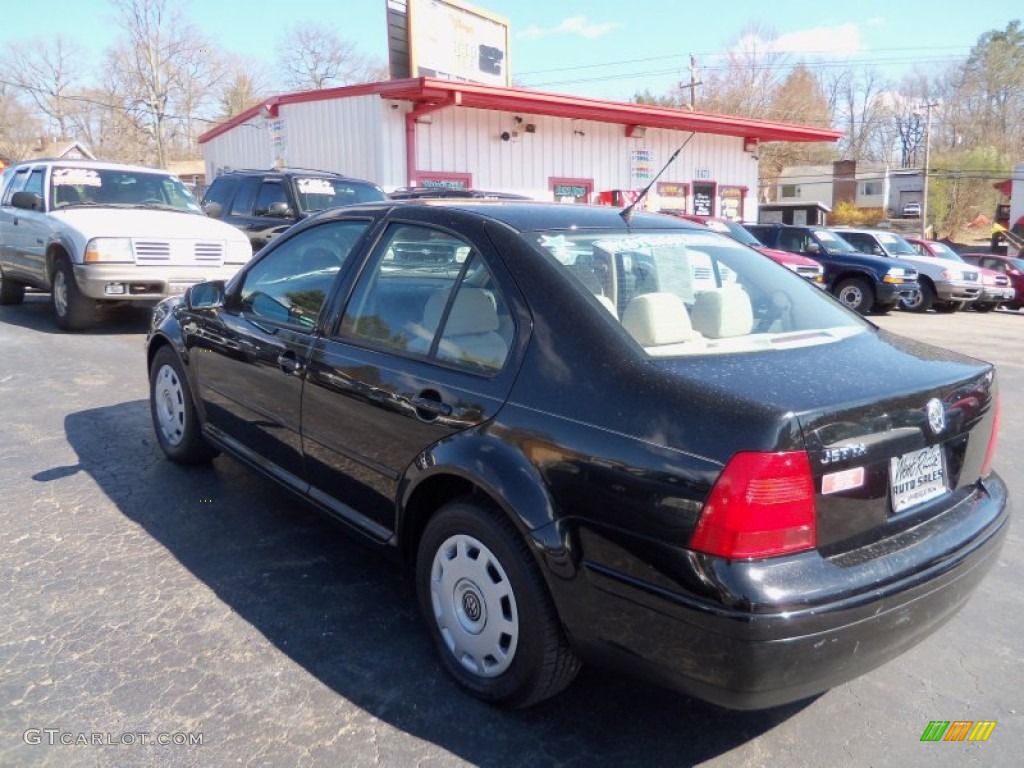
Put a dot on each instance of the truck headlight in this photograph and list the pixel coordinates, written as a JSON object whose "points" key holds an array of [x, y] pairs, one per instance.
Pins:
{"points": [[108, 249]]}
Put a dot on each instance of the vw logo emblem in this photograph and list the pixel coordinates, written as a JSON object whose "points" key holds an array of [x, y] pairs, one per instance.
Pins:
{"points": [[936, 415], [471, 605]]}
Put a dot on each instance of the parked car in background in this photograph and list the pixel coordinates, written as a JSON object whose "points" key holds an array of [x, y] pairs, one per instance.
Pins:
{"points": [[863, 282], [808, 269], [417, 193], [264, 203], [946, 285], [912, 210], [589, 445], [98, 234], [1011, 266], [995, 286]]}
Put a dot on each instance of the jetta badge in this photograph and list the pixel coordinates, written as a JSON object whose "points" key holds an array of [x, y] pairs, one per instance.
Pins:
{"points": [[936, 415]]}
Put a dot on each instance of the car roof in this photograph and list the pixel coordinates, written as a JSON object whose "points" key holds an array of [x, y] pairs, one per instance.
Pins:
{"points": [[530, 215], [99, 165], [292, 172]]}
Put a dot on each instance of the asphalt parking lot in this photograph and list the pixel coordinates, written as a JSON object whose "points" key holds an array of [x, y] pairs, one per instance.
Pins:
{"points": [[155, 615]]}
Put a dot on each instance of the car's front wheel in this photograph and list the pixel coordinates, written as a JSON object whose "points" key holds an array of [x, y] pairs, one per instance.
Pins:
{"points": [[920, 300], [74, 310], [174, 412], [855, 294], [487, 608]]}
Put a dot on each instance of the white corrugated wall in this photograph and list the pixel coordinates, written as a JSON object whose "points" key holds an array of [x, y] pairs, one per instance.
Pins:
{"points": [[364, 136]]}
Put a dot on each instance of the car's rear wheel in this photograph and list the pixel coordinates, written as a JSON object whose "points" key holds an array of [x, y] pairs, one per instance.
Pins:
{"points": [[983, 307], [173, 410], [11, 291], [948, 307], [488, 610], [920, 300], [74, 311], [855, 294]]}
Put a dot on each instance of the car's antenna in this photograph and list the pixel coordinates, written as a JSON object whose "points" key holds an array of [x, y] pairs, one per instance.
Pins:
{"points": [[627, 212]]}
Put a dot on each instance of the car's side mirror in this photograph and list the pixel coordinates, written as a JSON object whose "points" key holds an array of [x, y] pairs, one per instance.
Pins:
{"points": [[205, 295], [213, 210], [280, 209], [28, 201]]}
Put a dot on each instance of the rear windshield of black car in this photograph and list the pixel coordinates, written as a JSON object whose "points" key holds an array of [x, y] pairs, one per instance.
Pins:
{"points": [[695, 292]]}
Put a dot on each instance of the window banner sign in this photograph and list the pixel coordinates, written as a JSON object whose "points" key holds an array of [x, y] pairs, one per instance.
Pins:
{"points": [[641, 167]]}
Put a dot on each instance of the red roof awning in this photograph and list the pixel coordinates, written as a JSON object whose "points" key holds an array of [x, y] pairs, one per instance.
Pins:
{"points": [[424, 91], [1004, 186]]}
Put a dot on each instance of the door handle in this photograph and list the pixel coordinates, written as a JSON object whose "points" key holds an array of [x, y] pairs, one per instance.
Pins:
{"points": [[289, 363], [430, 406]]}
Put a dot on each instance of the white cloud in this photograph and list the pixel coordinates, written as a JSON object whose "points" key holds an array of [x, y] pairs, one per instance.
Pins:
{"points": [[574, 25], [840, 40]]}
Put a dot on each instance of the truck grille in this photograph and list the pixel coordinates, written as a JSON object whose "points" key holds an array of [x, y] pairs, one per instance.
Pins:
{"points": [[184, 253]]}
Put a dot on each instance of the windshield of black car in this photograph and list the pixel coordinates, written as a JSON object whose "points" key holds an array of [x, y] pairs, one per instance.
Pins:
{"points": [[318, 193], [833, 243], [691, 292], [74, 186]]}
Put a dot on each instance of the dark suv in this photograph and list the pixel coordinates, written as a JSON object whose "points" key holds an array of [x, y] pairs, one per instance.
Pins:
{"points": [[264, 203], [861, 281]]}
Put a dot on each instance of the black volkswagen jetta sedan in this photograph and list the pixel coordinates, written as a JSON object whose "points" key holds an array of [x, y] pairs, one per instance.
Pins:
{"points": [[633, 443]]}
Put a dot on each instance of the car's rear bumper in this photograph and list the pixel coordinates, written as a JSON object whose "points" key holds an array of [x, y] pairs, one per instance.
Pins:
{"points": [[127, 282], [842, 616]]}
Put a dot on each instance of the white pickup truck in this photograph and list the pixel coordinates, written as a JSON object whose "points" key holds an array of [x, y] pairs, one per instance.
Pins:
{"points": [[95, 233]]}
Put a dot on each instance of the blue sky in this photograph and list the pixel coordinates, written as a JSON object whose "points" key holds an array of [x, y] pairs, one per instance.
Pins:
{"points": [[597, 48]]}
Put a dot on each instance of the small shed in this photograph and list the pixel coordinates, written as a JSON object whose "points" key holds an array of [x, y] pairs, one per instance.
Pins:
{"points": [[802, 212]]}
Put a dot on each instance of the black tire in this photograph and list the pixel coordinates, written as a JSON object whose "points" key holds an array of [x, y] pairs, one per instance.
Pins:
{"points": [[74, 311], [983, 307], [487, 608], [174, 413], [948, 307], [11, 292], [920, 300], [856, 294]]}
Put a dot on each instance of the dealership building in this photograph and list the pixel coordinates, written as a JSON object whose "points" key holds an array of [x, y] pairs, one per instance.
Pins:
{"points": [[457, 123]]}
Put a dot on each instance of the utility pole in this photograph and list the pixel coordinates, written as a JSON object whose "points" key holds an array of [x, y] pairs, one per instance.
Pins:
{"points": [[694, 82], [927, 153]]}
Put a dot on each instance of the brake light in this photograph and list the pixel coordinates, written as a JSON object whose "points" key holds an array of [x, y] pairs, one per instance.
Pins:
{"points": [[761, 506], [990, 452]]}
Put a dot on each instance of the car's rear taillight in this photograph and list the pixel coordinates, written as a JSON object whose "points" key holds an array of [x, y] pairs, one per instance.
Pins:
{"points": [[990, 452], [762, 505]]}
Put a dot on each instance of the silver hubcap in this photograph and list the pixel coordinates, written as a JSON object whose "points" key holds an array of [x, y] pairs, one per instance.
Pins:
{"points": [[851, 296], [474, 606], [169, 402], [913, 300], [60, 293]]}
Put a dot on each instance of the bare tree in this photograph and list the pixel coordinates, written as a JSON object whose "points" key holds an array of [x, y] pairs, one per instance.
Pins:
{"points": [[245, 86], [746, 82], [859, 105], [19, 128], [312, 57], [47, 70], [159, 69]]}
